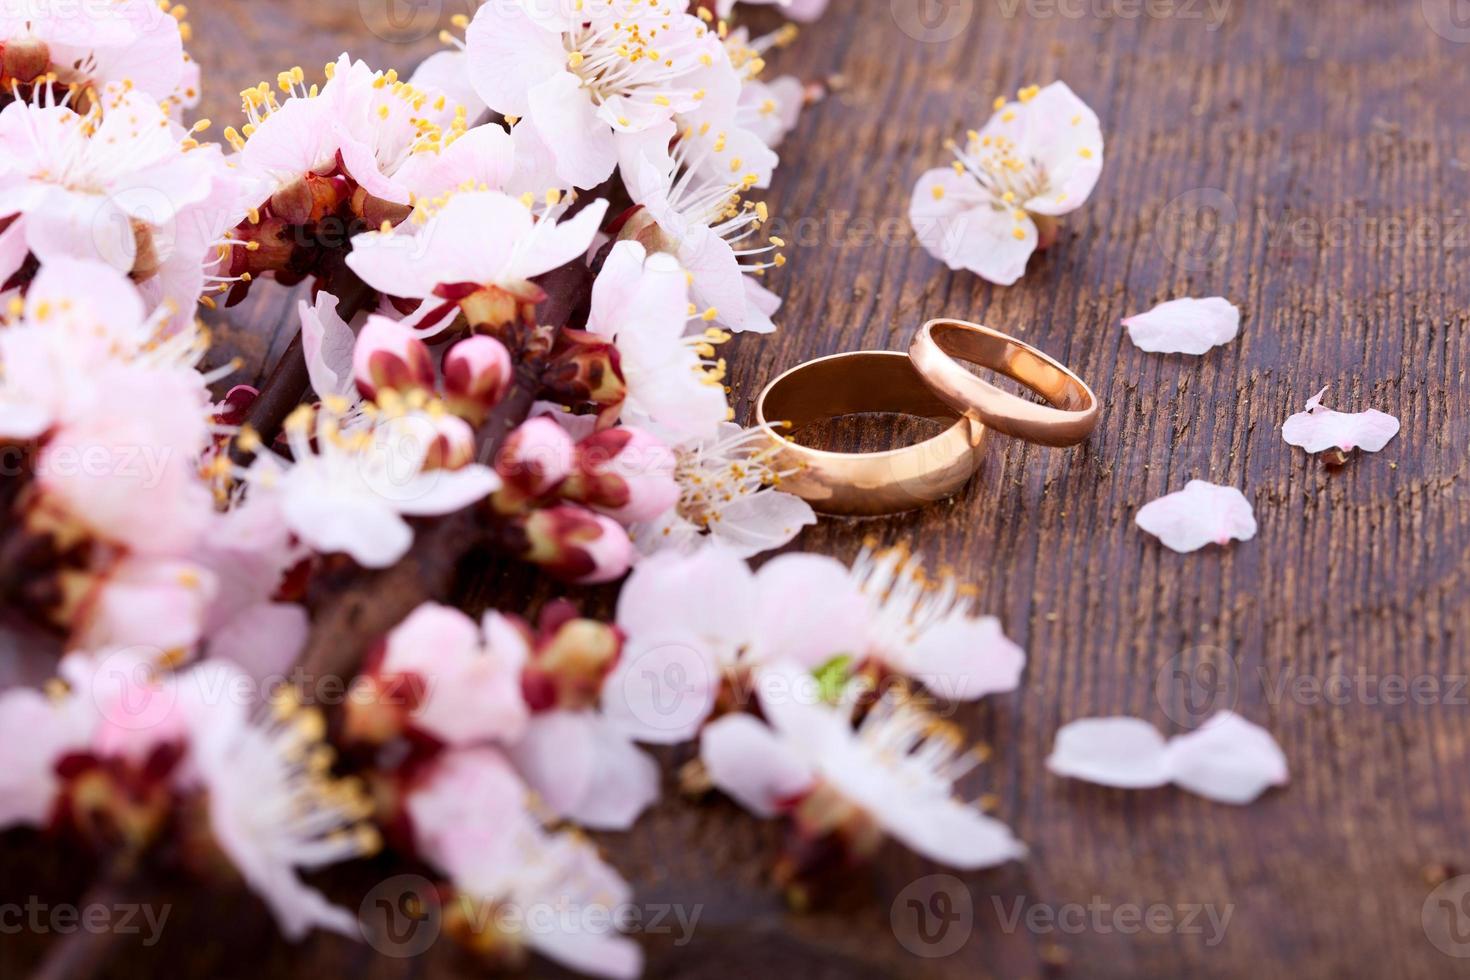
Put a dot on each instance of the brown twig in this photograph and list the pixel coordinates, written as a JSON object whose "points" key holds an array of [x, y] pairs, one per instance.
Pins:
{"points": [[83, 954]]}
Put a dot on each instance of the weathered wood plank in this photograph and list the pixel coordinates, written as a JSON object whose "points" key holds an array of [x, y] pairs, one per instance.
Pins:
{"points": [[1312, 127]]}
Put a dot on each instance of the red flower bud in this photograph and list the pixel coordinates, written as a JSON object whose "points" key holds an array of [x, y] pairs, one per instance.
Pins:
{"points": [[536, 458], [577, 545], [477, 373], [388, 356], [625, 473], [584, 369]]}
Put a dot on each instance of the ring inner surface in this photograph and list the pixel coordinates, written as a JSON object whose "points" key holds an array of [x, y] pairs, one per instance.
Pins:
{"points": [[1015, 362], [869, 381]]}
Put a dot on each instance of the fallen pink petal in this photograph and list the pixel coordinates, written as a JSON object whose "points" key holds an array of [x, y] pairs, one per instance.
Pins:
{"points": [[1200, 515], [1227, 759], [1185, 326], [1318, 428]]}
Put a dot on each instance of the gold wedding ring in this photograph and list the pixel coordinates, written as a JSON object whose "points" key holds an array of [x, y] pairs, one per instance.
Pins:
{"points": [[867, 484], [928, 382], [1068, 420]]}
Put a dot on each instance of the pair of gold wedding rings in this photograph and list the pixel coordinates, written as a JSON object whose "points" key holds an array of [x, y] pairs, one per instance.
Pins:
{"points": [[930, 382]]}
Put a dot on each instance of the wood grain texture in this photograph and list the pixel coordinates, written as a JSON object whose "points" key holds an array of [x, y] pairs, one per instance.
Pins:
{"points": [[1308, 161]]}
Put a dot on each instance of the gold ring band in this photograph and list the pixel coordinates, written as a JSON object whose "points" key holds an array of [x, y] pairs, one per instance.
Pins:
{"points": [[1069, 419], [867, 484]]}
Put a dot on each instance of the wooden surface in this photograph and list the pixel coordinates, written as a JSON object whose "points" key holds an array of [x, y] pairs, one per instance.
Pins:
{"points": [[1321, 136]]}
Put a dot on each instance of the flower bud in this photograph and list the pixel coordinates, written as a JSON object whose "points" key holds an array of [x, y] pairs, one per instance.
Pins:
{"points": [[388, 356], [261, 247], [453, 446], [490, 309], [625, 473], [477, 372], [536, 458], [25, 59], [234, 408], [570, 664], [584, 368], [577, 545], [639, 226], [310, 199], [374, 210]]}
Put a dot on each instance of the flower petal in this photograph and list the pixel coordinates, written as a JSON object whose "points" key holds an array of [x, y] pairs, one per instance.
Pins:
{"points": [[748, 762], [958, 224], [956, 834], [1125, 752], [1201, 514], [1185, 326], [1319, 429], [966, 658], [1228, 760]]}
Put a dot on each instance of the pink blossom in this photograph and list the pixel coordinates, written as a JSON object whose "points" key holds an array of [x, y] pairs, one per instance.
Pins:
{"points": [[327, 343], [480, 238], [125, 44], [470, 818], [895, 767], [36, 731], [641, 303], [728, 496], [584, 769], [269, 811], [362, 122], [477, 373], [130, 476], [471, 674], [388, 355], [584, 75], [1037, 159], [536, 457], [691, 190], [113, 185], [350, 490], [625, 473]]}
